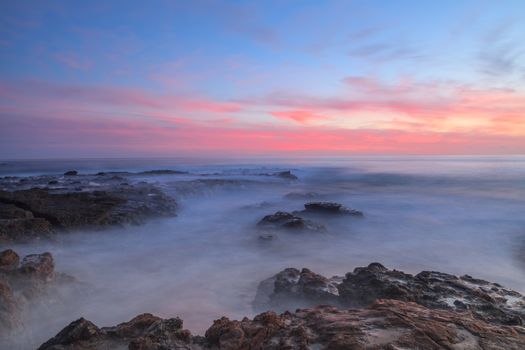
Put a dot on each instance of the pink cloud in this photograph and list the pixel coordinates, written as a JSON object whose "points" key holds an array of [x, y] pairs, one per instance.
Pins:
{"points": [[103, 97], [301, 117]]}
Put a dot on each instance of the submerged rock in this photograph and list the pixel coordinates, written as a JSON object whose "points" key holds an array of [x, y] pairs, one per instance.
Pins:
{"points": [[285, 220], [330, 208], [71, 173], [287, 175], [163, 172]]}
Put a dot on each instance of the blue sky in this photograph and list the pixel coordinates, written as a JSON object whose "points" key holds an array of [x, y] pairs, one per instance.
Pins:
{"points": [[264, 57]]}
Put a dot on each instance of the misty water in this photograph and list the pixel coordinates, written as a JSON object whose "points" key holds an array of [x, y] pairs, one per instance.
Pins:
{"points": [[461, 215]]}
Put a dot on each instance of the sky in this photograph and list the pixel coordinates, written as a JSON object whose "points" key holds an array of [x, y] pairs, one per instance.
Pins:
{"points": [[261, 78]]}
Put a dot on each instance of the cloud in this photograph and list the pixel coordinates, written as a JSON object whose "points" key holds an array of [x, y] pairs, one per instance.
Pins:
{"points": [[74, 135], [102, 97], [74, 61], [298, 116]]}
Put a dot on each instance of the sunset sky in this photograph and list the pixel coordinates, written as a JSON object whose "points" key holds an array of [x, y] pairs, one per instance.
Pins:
{"points": [[245, 78]]}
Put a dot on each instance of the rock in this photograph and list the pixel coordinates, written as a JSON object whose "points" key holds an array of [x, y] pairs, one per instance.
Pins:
{"points": [[144, 332], [330, 208], [11, 211], [71, 173], [163, 172], [291, 289], [76, 332], [28, 287], [287, 175], [487, 301], [386, 324], [10, 313], [37, 212], [38, 265], [285, 220], [9, 260], [53, 182], [24, 230]]}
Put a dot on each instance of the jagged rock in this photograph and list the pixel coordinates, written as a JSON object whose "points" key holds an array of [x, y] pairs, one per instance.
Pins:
{"points": [[71, 173], [330, 208], [144, 332], [487, 301], [76, 332], [285, 220], [23, 288], [38, 265], [9, 260], [386, 324], [291, 288]]}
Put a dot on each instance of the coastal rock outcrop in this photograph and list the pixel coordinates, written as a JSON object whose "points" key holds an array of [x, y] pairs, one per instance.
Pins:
{"points": [[330, 208], [25, 285], [386, 324], [285, 220], [485, 300], [34, 213], [295, 289]]}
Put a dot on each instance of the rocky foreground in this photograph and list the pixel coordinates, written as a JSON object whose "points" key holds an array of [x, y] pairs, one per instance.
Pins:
{"points": [[38, 207], [370, 308], [26, 285]]}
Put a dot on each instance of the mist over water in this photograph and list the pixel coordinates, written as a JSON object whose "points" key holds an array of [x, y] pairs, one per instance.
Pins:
{"points": [[461, 215]]}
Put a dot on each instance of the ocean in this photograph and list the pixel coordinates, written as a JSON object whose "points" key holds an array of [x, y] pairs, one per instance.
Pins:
{"points": [[454, 214]]}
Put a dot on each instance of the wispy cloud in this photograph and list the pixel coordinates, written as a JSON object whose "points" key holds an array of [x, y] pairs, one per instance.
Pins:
{"points": [[74, 61]]}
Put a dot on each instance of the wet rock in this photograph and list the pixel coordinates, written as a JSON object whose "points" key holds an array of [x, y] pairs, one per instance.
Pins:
{"points": [[487, 301], [71, 173], [27, 287], [39, 212], [11, 212], [291, 289], [386, 324], [24, 230], [330, 208], [9, 260], [144, 332], [286, 175], [53, 182], [76, 332], [163, 172], [38, 265], [285, 220]]}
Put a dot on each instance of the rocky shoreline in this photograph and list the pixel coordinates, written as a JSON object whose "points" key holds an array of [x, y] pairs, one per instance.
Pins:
{"points": [[370, 308], [41, 206]]}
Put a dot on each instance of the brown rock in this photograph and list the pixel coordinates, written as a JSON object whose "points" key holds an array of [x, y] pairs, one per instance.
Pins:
{"points": [[9, 260], [38, 265]]}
